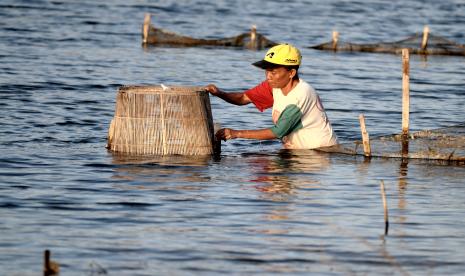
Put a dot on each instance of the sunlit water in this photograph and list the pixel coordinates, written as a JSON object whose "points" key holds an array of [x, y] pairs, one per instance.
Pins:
{"points": [[257, 209]]}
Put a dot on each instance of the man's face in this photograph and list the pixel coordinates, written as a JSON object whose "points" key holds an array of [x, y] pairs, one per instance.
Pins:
{"points": [[279, 77]]}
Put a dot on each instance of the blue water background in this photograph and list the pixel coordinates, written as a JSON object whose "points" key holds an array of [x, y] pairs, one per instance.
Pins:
{"points": [[258, 209]]}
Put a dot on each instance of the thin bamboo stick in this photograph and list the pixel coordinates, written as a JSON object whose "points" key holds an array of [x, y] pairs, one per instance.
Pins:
{"points": [[405, 100], [335, 39], [365, 136], [386, 218], [145, 28], [253, 37], [424, 41], [405, 91]]}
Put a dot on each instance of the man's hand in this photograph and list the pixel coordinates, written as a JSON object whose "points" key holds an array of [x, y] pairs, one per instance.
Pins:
{"points": [[226, 134], [212, 89], [237, 98]]}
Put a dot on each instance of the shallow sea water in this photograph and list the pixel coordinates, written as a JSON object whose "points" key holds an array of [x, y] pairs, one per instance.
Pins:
{"points": [[256, 210]]}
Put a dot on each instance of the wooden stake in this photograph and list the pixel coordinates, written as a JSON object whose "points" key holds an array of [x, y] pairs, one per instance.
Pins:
{"points": [[253, 37], [365, 136], [386, 219], [424, 41], [405, 91], [405, 100], [50, 267], [145, 28], [335, 39]]}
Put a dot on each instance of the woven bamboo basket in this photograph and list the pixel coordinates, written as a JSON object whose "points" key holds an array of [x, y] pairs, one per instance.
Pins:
{"points": [[156, 120]]}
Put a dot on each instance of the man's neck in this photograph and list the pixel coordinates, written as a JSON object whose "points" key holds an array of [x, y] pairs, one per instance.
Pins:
{"points": [[289, 86]]}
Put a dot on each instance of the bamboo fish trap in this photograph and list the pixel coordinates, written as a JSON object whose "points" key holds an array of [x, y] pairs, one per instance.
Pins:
{"points": [[157, 120]]}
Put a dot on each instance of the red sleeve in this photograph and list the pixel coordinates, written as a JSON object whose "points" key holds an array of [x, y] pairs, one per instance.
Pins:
{"points": [[261, 96]]}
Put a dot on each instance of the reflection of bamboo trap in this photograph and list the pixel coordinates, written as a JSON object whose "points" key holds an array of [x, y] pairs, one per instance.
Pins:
{"points": [[157, 120]]}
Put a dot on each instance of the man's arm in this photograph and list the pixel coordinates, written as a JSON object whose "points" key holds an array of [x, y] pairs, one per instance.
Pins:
{"points": [[237, 98], [259, 134]]}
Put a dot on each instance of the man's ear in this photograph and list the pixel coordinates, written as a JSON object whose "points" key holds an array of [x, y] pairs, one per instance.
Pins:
{"points": [[293, 72]]}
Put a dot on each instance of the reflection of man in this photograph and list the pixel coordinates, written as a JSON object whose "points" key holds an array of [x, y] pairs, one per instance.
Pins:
{"points": [[279, 177], [281, 174], [299, 117]]}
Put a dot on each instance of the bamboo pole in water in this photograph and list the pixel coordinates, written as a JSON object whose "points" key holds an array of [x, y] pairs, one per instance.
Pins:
{"points": [[335, 40], [386, 218], [365, 136], [424, 41], [253, 37], [50, 267], [145, 28], [405, 100]]}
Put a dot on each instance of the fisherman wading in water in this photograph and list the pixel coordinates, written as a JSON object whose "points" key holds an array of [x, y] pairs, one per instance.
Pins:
{"points": [[299, 118]]}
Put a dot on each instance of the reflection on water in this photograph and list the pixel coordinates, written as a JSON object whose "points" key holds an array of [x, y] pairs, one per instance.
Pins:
{"points": [[402, 185], [160, 172], [166, 160], [278, 175]]}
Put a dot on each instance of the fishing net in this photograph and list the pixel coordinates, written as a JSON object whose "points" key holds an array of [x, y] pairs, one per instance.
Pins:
{"points": [[439, 144], [157, 36], [435, 45]]}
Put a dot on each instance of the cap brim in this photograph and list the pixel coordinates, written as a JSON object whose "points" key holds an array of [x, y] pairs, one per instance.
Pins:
{"points": [[265, 64]]}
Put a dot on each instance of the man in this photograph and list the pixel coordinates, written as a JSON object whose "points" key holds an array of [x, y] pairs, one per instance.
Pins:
{"points": [[299, 118]]}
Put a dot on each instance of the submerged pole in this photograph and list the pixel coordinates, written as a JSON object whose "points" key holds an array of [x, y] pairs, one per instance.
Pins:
{"points": [[335, 39], [50, 267], [386, 219], [405, 100], [424, 41], [145, 28], [365, 136], [253, 37]]}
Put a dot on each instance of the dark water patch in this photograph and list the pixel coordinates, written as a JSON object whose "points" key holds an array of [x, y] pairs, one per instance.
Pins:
{"points": [[86, 140], [21, 187], [138, 205], [102, 165], [66, 207], [40, 125], [60, 204], [116, 220], [91, 22], [107, 34], [198, 270], [182, 199], [10, 205], [18, 30], [88, 102], [83, 189], [18, 162], [39, 7], [15, 88], [70, 122], [405, 262]]}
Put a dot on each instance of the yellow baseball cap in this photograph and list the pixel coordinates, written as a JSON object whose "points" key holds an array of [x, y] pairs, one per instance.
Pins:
{"points": [[282, 54]]}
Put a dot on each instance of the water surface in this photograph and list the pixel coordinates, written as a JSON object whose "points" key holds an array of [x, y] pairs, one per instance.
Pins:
{"points": [[257, 209]]}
